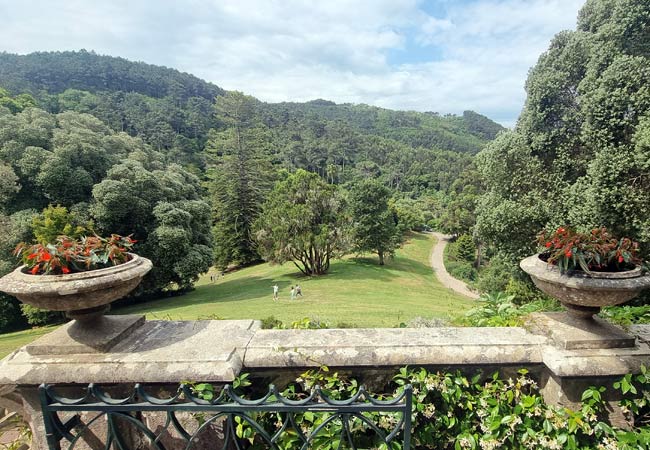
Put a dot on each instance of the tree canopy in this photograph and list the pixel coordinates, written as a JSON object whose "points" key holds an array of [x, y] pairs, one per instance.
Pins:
{"points": [[240, 175], [303, 221], [112, 179], [579, 152], [374, 222]]}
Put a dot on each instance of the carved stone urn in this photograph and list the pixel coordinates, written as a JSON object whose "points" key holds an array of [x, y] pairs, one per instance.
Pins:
{"points": [[83, 296], [584, 294]]}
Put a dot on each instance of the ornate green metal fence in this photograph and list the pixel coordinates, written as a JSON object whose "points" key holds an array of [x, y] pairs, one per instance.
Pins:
{"points": [[359, 422]]}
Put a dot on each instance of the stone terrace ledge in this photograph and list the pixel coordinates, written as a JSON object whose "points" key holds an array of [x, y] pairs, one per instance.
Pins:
{"points": [[157, 352], [168, 352], [393, 347]]}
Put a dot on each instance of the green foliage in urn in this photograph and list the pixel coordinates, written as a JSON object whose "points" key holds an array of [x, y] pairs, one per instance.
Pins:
{"points": [[57, 221], [375, 229], [303, 221], [596, 250]]}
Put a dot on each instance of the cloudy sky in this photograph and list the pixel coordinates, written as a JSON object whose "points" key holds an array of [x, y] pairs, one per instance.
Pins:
{"points": [[429, 55]]}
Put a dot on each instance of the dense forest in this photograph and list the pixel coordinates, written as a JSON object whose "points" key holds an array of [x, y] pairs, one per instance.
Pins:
{"points": [[101, 144]]}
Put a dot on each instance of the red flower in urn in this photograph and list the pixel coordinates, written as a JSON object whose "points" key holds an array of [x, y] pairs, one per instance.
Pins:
{"points": [[67, 255], [595, 251]]}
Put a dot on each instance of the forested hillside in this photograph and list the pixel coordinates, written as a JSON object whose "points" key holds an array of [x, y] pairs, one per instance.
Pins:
{"points": [[101, 144], [172, 110], [54, 72], [466, 133]]}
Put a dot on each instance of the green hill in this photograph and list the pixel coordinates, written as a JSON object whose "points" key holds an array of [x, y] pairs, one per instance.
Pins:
{"points": [[172, 110], [54, 72]]}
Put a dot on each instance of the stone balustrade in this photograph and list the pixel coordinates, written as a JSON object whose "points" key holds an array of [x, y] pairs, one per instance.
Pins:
{"points": [[168, 352]]}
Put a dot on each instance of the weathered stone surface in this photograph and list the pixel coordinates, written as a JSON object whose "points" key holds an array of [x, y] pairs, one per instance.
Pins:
{"points": [[613, 362], [71, 338], [642, 332], [216, 351], [157, 352], [392, 347], [567, 392], [583, 290], [571, 333]]}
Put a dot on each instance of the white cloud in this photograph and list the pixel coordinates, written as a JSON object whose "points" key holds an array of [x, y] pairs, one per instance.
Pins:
{"points": [[298, 50], [432, 28]]}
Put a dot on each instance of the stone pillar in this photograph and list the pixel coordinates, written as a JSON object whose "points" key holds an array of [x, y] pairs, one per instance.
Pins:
{"points": [[580, 354], [154, 352]]}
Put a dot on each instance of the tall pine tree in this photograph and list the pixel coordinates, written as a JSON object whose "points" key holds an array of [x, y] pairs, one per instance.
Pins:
{"points": [[240, 176]]}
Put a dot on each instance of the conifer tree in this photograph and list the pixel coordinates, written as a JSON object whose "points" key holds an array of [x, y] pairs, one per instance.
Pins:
{"points": [[375, 229], [240, 177]]}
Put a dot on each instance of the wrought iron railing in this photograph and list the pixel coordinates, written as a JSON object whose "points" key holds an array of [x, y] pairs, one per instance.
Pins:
{"points": [[361, 421]]}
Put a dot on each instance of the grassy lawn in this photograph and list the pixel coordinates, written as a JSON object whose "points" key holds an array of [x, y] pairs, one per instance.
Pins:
{"points": [[11, 341], [356, 291]]}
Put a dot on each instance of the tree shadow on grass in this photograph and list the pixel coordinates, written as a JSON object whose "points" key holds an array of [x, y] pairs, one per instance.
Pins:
{"points": [[255, 287], [417, 236], [363, 269], [401, 264]]}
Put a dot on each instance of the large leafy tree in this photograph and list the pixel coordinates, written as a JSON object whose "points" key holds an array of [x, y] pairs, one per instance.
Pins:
{"points": [[240, 177], [459, 216], [17, 103], [579, 153], [163, 210], [13, 229], [375, 229], [303, 221]]}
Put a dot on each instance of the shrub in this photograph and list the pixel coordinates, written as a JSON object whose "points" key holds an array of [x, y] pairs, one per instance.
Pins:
{"points": [[462, 270], [524, 291], [465, 248], [627, 315], [454, 411], [10, 314], [499, 310], [271, 322], [40, 317], [496, 275], [308, 323]]}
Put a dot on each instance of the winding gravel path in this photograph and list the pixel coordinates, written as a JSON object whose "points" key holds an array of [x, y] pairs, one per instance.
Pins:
{"points": [[439, 269]]}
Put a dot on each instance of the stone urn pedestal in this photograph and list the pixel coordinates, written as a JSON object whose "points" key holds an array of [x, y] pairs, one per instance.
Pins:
{"points": [[85, 297], [583, 295]]}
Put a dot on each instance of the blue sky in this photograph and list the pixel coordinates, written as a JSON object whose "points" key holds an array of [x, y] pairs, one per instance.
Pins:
{"points": [[443, 55]]}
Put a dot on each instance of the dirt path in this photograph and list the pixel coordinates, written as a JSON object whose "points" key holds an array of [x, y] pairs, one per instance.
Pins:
{"points": [[439, 269]]}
